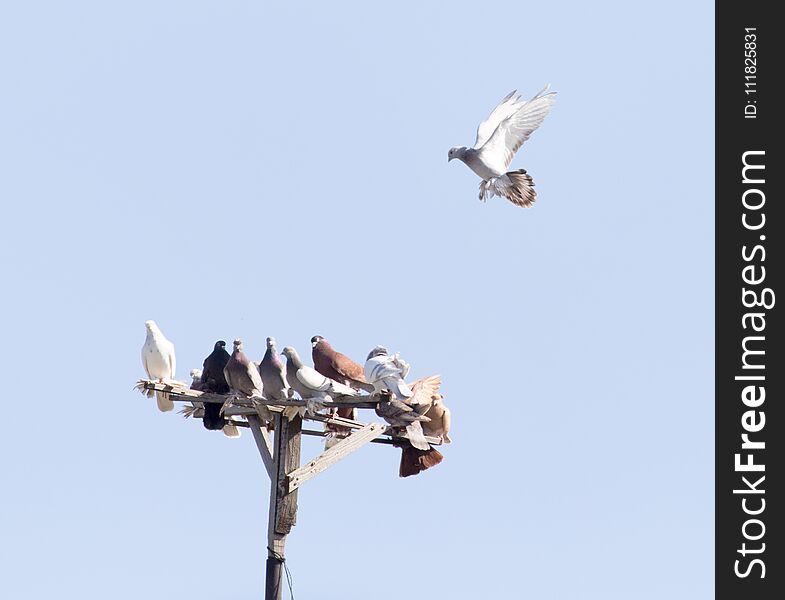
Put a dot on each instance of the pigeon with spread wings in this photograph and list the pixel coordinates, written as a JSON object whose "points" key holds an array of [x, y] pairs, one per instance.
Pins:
{"points": [[498, 139]]}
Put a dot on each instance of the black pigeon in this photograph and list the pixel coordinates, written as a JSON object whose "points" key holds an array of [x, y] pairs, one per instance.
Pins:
{"points": [[214, 381]]}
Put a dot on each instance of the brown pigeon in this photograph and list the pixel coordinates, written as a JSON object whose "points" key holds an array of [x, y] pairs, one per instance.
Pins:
{"points": [[337, 366], [426, 395], [342, 369], [413, 461]]}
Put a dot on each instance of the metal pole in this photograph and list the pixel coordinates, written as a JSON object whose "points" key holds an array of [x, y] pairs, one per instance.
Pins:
{"points": [[272, 589]]}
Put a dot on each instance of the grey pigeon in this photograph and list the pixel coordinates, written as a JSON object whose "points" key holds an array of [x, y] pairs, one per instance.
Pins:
{"points": [[399, 414], [498, 139], [159, 362], [308, 382], [387, 372], [273, 372], [241, 374]]}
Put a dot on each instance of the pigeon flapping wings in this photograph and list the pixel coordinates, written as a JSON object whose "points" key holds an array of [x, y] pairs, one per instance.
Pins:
{"points": [[498, 139], [520, 120]]}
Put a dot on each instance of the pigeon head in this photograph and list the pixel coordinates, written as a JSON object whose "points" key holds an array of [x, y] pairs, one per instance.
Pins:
{"points": [[271, 342], [378, 351], [151, 326], [316, 339], [196, 374], [292, 355], [456, 152], [238, 345], [219, 345]]}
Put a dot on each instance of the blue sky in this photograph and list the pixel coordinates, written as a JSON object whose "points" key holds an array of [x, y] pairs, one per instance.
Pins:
{"points": [[245, 169]]}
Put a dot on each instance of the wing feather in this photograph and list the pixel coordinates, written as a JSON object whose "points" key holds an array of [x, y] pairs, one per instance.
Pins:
{"points": [[509, 104], [516, 128]]}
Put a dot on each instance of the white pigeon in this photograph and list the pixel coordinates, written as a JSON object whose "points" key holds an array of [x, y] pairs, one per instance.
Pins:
{"points": [[159, 362], [385, 372], [498, 139]]}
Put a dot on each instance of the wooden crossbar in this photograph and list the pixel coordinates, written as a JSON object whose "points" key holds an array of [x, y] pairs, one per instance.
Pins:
{"points": [[326, 459]]}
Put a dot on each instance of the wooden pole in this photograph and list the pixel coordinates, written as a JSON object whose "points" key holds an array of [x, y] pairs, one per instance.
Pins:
{"points": [[283, 504]]}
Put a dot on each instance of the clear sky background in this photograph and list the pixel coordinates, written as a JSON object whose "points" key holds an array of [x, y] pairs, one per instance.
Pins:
{"points": [[245, 169]]}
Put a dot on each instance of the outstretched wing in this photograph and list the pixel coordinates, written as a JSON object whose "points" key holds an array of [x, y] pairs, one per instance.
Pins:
{"points": [[515, 129], [509, 104]]}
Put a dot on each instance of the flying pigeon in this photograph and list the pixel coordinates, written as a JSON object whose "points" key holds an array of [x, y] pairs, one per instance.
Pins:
{"points": [[400, 414], [498, 139], [241, 374], [273, 372], [159, 362], [387, 372], [309, 383]]}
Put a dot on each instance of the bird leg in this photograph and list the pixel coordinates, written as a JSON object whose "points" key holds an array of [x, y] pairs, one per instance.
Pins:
{"points": [[483, 188]]}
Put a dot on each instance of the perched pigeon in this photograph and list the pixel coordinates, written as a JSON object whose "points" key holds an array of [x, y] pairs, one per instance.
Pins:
{"points": [[159, 362], [424, 398], [241, 374], [213, 378], [196, 379], [309, 383], [400, 414], [439, 424], [337, 366], [273, 372], [214, 381], [387, 372], [498, 139]]}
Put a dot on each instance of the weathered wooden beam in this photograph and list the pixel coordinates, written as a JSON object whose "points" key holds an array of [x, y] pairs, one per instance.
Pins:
{"points": [[262, 439], [326, 459], [291, 437], [187, 394]]}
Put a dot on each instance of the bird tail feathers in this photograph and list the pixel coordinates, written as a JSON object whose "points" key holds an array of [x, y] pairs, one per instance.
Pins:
{"points": [[413, 461], [516, 186], [164, 403]]}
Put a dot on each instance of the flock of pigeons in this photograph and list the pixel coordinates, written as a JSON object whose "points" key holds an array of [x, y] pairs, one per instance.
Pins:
{"points": [[416, 408]]}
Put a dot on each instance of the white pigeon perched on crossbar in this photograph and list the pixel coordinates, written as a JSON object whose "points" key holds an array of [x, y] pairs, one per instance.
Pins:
{"points": [[498, 139], [159, 363]]}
